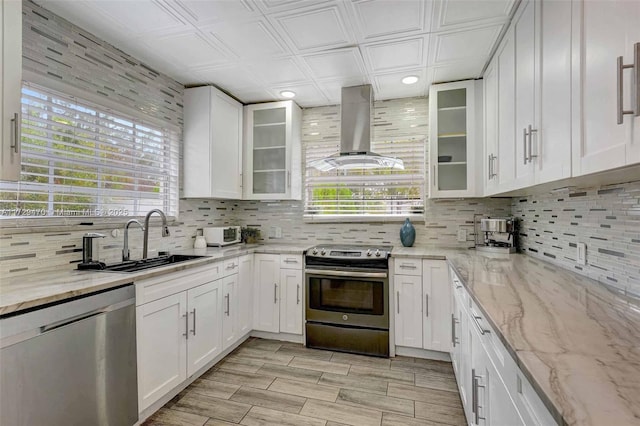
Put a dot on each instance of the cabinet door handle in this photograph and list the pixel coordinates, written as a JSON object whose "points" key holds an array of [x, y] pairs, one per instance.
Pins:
{"points": [[524, 144], [16, 133], [298, 294], [474, 393], [476, 319], [620, 87], [636, 72], [453, 330], [194, 321], [426, 305], [398, 301], [531, 132], [407, 266], [489, 166], [275, 293], [290, 261], [227, 311], [186, 325]]}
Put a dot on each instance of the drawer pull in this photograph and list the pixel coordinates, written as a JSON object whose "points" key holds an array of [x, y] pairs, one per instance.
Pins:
{"points": [[407, 266], [476, 320]]}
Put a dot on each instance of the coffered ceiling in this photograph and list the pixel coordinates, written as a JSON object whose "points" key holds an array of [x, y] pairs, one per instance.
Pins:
{"points": [[254, 49]]}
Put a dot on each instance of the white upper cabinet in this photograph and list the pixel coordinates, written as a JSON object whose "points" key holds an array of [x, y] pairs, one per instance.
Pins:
{"points": [[10, 86], [455, 111], [605, 31], [528, 87], [212, 144], [272, 151]]}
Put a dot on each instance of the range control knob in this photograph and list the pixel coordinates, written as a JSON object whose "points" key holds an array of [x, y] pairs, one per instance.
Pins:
{"points": [[369, 253], [377, 252], [315, 251], [323, 252]]}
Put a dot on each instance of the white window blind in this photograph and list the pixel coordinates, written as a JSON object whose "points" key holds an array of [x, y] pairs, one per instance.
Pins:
{"points": [[367, 192], [80, 159]]}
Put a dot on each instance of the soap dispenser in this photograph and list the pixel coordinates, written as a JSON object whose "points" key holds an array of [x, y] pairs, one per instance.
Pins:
{"points": [[87, 252]]}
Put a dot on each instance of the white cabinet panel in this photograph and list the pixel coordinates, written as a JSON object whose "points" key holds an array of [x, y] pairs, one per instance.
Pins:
{"points": [[408, 310], [490, 110], [506, 162], [162, 347], [605, 30], [212, 144], [230, 310], [10, 86], [436, 299], [291, 301], [245, 294], [205, 339], [266, 312]]}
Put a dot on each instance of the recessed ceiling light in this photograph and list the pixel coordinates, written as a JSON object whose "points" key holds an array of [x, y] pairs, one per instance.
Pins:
{"points": [[410, 79], [287, 94]]}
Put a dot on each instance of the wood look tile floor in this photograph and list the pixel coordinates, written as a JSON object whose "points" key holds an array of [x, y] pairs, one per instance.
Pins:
{"points": [[267, 382]]}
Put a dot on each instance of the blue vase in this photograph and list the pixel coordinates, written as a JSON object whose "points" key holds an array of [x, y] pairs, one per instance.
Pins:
{"points": [[407, 233]]}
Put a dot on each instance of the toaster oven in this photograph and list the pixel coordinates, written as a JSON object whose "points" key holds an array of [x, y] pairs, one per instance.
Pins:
{"points": [[219, 236]]}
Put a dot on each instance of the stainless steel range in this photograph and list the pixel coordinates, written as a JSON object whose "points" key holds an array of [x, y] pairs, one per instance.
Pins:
{"points": [[347, 298]]}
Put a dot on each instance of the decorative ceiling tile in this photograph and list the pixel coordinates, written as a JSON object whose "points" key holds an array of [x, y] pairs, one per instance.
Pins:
{"points": [[390, 55], [455, 71], [278, 71], [449, 14], [391, 18], [468, 44], [307, 95], [332, 89], [309, 29], [187, 48], [253, 96], [254, 39], [142, 16], [389, 86], [335, 63], [232, 78], [204, 12]]}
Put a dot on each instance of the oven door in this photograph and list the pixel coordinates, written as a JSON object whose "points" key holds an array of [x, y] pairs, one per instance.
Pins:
{"points": [[348, 298]]}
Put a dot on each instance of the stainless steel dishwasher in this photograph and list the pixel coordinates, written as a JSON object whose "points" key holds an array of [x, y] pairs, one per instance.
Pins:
{"points": [[71, 363]]}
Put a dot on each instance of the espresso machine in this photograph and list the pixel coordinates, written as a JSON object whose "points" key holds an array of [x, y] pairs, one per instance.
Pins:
{"points": [[496, 234]]}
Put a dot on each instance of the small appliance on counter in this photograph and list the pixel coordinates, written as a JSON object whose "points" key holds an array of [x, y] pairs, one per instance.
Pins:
{"points": [[219, 236], [88, 261], [496, 234]]}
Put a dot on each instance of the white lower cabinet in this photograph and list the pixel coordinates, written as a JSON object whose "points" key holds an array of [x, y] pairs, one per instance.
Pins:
{"points": [[162, 347], [423, 304], [230, 313], [245, 294], [177, 335], [492, 388], [278, 293]]}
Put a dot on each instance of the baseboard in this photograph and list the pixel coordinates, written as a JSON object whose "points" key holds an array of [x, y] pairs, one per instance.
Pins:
{"points": [[149, 411], [285, 337], [423, 353]]}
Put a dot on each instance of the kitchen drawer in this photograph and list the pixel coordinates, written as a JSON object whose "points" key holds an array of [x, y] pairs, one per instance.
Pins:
{"points": [[290, 261], [230, 266], [458, 289], [407, 266], [150, 289]]}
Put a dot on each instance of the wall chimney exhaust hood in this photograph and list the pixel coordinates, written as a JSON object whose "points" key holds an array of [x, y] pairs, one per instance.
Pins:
{"points": [[356, 112]]}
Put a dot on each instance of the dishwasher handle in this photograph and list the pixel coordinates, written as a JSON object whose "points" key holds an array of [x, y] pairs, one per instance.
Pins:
{"points": [[58, 324]]}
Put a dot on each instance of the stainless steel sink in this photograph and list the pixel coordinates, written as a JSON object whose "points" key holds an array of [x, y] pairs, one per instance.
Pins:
{"points": [[155, 262]]}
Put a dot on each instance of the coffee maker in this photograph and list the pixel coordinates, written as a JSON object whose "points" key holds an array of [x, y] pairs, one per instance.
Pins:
{"points": [[496, 234]]}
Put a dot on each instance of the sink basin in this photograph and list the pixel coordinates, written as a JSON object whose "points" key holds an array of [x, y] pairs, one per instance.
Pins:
{"points": [[139, 265]]}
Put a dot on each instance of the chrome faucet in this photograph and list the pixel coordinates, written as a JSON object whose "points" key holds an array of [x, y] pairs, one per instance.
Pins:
{"points": [[165, 229], [125, 248]]}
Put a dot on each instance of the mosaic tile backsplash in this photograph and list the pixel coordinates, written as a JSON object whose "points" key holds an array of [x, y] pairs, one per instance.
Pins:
{"points": [[606, 219]]}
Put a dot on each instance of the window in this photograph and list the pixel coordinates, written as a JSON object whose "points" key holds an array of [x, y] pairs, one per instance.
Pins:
{"points": [[80, 159], [367, 192]]}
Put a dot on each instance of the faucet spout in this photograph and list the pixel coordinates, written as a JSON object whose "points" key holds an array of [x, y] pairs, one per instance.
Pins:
{"points": [[125, 248], [165, 229]]}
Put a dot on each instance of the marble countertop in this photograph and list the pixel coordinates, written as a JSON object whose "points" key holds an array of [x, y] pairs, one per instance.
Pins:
{"points": [[28, 291], [577, 340]]}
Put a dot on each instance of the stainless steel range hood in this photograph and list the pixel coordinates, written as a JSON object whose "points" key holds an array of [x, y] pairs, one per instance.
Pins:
{"points": [[355, 135]]}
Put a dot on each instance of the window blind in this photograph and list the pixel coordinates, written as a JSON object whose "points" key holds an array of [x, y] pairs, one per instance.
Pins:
{"points": [[80, 159], [367, 192]]}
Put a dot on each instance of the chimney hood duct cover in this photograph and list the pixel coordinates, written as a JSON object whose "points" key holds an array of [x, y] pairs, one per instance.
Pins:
{"points": [[356, 114]]}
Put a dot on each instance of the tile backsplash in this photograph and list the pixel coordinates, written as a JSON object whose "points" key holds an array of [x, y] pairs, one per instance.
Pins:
{"points": [[606, 219]]}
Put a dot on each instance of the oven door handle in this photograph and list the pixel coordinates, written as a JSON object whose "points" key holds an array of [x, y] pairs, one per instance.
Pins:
{"points": [[350, 274]]}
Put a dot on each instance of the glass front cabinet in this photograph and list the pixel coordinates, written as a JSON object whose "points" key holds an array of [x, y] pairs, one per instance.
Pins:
{"points": [[454, 139], [272, 151]]}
